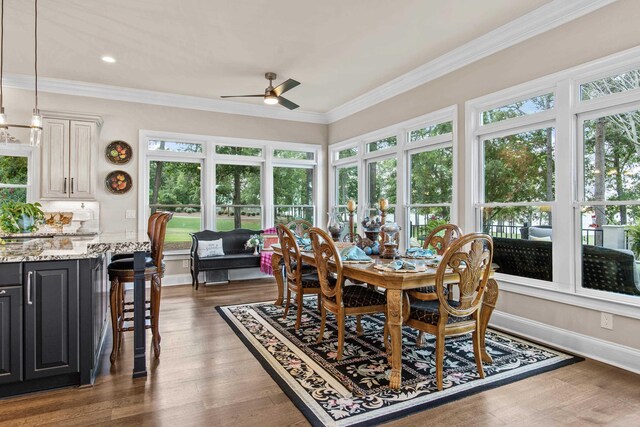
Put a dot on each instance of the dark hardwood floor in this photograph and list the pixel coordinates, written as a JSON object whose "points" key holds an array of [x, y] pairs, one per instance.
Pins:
{"points": [[206, 376]]}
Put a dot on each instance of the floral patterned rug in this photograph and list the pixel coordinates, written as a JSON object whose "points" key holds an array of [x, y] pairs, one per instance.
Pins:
{"points": [[354, 391]]}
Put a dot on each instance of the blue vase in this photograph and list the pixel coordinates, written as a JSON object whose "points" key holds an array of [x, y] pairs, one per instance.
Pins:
{"points": [[25, 223]]}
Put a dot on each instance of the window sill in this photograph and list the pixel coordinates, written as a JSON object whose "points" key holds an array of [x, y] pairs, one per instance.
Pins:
{"points": [[552, 292]]}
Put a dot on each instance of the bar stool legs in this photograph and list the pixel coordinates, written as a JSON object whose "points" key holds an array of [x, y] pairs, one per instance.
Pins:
{"points": [[114, 296], [156, 290], [118, 311]]}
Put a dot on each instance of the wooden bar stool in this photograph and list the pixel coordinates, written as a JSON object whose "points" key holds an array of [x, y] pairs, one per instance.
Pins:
{"points": [[121, 271]]}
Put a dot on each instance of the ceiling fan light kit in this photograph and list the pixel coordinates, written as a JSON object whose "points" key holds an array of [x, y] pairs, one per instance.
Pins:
{"points": [[272, 95]]}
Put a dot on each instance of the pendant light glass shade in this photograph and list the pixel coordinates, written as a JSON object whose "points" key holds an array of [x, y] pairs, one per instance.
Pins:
{"points": [[36, 128]]}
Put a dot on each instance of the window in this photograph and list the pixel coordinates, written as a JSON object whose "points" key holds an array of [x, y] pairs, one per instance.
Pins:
{"points": [[293, 154], [431, 131], [610, 85], [14, 178], [221, 183], [174, 146], [382, 184], [176, 187], [520, 108], [430, 190], [557, 183], [238, 151], [412, 167], [238, 201], [611, 194], [346, 181], [382, 144], [293, 194], [518, 174], [347, 152]]}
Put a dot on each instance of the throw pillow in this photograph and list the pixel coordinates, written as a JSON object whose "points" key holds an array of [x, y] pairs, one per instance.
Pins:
{"points": [[543, 238], [210, 248]]}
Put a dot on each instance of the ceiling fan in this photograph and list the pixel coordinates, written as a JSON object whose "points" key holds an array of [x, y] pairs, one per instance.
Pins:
{"points": [[272, 95]]}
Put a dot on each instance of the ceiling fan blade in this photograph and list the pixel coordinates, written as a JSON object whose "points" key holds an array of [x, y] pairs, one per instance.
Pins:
{"points": [[287, 104], [242, 96], [287, 85]]}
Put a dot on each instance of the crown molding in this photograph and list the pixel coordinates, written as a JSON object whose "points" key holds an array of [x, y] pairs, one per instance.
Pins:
{"points": [[538, 21], [117, 93]]}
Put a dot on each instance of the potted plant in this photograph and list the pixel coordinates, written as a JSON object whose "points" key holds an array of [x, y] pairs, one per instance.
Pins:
{"points": [[19, 217], [634, 239]]}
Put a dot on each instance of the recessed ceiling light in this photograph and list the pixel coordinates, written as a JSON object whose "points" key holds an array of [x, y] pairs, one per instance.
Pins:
{"points": [[109, 59]]}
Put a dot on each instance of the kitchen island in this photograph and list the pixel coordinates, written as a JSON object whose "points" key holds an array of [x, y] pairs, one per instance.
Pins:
{"points": [[53, 308]]}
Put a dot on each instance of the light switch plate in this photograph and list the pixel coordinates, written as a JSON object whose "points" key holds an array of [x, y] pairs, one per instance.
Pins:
{"points": [[130, 214]]}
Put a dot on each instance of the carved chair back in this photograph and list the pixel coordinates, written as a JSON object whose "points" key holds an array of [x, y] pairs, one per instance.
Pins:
{"points": [[473, 266], [442, 237], [327, 261], [151, 223], [300, 227], [290, 254], [157, 237]]}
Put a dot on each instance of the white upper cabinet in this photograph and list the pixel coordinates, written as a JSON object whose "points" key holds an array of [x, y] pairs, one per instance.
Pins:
{"points": [[69, 150]]}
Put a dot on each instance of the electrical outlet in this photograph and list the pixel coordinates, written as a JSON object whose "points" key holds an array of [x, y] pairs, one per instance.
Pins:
{"points": [[185, 263], [606, 321], [130, 214]]}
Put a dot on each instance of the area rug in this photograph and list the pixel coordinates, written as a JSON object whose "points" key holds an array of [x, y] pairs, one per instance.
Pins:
{"points": [[354, 391]]}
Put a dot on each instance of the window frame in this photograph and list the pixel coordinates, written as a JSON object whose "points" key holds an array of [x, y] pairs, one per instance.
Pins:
{"points": [[568, 194], [401, 131], [210, 159], [308, 164], [32, 154]]}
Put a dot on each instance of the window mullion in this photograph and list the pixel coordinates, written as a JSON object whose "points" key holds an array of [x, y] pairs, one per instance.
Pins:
{"points": [[563, 212]]}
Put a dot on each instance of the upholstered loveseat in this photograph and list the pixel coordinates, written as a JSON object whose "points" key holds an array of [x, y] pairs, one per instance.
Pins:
{"points": [[602, 268], [235, 254]]}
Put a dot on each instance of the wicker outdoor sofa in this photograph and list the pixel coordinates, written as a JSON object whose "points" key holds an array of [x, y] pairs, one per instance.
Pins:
{"points": [[604, 269]]}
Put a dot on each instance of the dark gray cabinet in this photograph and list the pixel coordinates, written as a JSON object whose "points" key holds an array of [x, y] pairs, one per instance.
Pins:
{"points": [[10, 334], [51, 316]]}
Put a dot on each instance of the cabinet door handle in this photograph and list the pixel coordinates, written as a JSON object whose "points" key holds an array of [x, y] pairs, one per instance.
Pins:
{"points": [[2, 292], [65, 186], [71, 185], [29, 276]]}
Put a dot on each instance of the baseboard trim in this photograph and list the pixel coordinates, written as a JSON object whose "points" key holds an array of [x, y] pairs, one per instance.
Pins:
{"points": [[176, 279], [621, 356]]}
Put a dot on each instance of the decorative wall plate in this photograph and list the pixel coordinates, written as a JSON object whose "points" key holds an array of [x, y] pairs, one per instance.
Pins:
{"points": [[118, 152], [118, 182]]}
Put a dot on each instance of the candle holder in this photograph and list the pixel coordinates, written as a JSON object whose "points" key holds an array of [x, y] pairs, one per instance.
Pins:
{"points": [[383, 205], [335, 226], [351, 207], [390, 244]]}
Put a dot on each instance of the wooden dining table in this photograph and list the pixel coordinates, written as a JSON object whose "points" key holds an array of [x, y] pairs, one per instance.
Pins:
{"points": [[395, 284]]}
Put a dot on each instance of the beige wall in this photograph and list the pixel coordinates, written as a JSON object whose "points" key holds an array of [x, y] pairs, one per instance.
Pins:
{"points": [[608, 30], [123, 120]]}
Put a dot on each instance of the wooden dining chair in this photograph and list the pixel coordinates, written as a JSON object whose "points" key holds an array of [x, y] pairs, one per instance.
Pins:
{"points": [[297, 282], [439, 240], [445, 317], [341, 300], [300, 227]]}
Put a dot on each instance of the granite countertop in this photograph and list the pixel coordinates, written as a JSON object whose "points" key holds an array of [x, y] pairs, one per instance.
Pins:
{"points": [[47, 234], [60, 247]]}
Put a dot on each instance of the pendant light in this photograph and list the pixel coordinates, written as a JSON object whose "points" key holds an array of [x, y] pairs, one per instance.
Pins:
{"points": [[36, 120]]}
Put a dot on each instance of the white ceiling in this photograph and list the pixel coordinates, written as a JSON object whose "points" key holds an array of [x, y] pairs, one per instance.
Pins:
{"points": [[337, 49]]}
